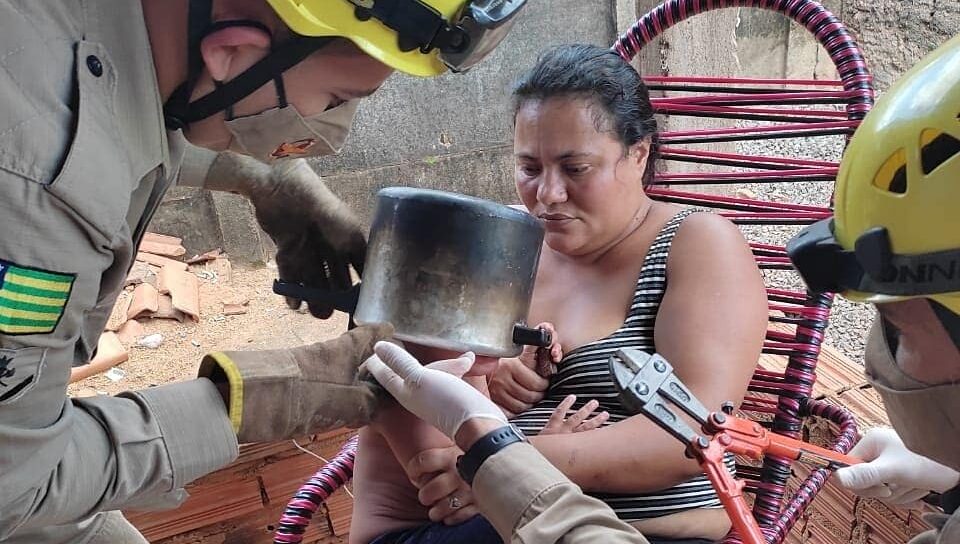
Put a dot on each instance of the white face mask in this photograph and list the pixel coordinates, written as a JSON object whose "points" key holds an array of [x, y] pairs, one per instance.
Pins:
{"points": [[282, 132]]}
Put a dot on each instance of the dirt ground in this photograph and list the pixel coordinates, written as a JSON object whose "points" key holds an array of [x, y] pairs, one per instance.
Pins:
{"points": [[268, 323]]}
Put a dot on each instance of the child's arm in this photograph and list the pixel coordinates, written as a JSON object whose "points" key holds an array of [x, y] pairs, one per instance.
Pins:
{"points": [[408, 435]]}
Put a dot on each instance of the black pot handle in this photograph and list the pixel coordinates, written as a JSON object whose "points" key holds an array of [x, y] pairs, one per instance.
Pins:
{"points": [[526, 336], [345, 301]]}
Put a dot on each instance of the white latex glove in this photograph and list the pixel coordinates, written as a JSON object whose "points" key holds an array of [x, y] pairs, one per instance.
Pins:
{"points": [[434, 393], [892, 472]]}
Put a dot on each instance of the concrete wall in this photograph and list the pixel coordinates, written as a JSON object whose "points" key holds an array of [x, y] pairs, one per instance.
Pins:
{"points": [[455, 132], [895, 34]]}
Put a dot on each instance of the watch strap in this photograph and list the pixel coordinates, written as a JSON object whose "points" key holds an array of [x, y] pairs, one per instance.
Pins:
{"points": [[470, 462]]}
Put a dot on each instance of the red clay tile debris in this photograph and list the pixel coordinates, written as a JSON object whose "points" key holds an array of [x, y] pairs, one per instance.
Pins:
{"points": [[145, 301], [160, 244], [183, 288], [139, 273], [158, 260], [130, 331], [165, 310], [211, 255]]}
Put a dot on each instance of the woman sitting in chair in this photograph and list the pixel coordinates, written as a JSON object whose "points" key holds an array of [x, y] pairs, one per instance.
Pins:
{"points": [[621, 270], [617, 270]]}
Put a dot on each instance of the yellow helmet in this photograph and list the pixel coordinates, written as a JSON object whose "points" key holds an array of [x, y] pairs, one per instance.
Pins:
{"points": [[896, 229], [420, 37]]}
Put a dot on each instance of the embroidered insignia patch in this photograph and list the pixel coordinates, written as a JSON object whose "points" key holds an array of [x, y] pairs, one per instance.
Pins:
{"points": [[19, 372], [31, 300], [289, 149]]}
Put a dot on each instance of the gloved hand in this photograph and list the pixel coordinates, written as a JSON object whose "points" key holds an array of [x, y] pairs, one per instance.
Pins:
{"points": [[284, 393], [318, 236], [892, 472], [434, 393]]}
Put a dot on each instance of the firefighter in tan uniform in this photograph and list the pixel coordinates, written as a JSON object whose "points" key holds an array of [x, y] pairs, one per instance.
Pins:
{"points": [[895, 242], [96, 99]]}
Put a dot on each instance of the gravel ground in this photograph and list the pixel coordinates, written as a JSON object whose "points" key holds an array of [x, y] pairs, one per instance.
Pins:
{"points": [[849, 322]]}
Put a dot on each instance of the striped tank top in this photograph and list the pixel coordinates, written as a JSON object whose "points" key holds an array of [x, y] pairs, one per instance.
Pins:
{"points": [[584, 372]]}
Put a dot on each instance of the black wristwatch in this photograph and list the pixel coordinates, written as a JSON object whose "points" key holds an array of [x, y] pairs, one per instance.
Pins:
{"points": [[469, 463]]}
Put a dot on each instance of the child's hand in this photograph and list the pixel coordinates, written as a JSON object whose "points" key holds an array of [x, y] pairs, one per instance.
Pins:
{"points": [[521, 382], [448, 497], [578, 421], [544, 360]]}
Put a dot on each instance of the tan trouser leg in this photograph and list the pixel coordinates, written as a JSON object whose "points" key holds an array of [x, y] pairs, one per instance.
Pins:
{"points": [[103, 528]]}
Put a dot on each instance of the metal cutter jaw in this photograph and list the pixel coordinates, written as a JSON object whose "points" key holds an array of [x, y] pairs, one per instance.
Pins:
{"points": [[646, 384]]}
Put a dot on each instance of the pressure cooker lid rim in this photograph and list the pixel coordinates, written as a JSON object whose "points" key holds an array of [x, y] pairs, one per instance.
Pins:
{"points": [[431, 341], [474, 204]]}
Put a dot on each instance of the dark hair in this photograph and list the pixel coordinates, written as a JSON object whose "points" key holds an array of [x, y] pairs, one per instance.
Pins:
{"points": [[603, 77]]}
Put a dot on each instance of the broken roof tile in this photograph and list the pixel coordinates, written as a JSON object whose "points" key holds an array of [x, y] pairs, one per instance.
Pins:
{"points": [[161, 244], [139, 273], [145, 301], [130, 331], [119, 313], [165, 309], [204, 257], [160, 261], [162, 238], [183, 288]]}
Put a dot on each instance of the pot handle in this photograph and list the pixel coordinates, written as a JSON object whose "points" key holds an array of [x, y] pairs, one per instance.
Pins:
{"points": [[345, 301], [526, 336]]}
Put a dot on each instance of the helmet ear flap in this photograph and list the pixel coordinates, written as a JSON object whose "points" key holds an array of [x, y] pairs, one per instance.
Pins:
{"points": [[874, 253], [819, 259]]}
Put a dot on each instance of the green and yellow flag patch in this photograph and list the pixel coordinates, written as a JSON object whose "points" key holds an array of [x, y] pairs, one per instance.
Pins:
{"points": [[31, 300]]}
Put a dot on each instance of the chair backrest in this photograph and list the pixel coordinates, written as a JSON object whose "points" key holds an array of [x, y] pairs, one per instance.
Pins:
{"points": [[766, 110]]}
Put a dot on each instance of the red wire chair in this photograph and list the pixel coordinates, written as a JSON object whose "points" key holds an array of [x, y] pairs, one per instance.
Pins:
{"points": [[771, 109], [779, 109]]}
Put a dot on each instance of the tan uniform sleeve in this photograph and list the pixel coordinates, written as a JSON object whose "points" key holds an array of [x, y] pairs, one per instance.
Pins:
{"points": [[529, 501], [68, 181], [223, 171], [62, 460], [946, 529], [196, 163], [920, 413]]}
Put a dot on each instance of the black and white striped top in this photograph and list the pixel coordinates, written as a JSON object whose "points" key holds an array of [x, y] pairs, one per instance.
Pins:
{"points": [[584, 372]]}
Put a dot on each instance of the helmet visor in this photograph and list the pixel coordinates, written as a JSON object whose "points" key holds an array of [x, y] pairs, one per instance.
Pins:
{"points": [[486, 23]]}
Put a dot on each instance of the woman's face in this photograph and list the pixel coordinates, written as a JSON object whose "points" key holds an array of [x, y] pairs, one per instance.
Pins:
{"points": [[574, 177]]}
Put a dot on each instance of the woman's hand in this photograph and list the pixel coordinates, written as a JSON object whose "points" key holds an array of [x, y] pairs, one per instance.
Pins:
{"points": [[579, 421], [520, 382], [448, 497]]}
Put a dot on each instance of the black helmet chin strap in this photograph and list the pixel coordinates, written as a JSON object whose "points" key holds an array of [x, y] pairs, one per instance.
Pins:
{"points": [[178, 112]]}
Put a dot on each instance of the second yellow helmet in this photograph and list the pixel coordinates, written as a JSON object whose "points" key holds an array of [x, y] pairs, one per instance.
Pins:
{"points": [[896, 228]]}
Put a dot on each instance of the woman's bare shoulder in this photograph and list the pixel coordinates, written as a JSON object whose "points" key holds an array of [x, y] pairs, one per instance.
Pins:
{"points": [[703, 228], [710, 237]]}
